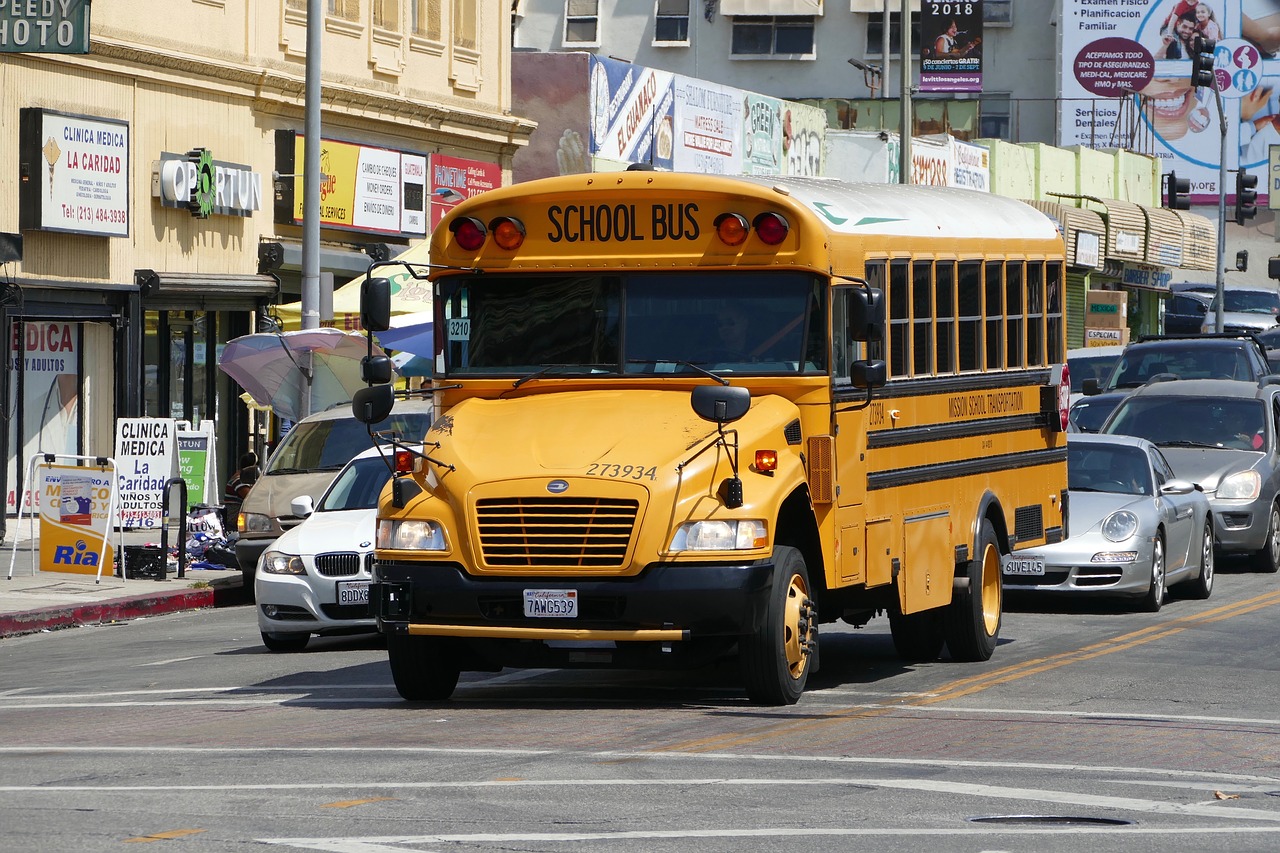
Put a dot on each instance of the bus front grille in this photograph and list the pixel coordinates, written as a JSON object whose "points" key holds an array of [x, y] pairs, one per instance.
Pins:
{"points": [[550, 532]]}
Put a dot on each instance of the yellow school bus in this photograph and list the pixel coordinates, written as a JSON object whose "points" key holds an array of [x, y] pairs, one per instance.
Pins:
{"points": [[684, 417]]}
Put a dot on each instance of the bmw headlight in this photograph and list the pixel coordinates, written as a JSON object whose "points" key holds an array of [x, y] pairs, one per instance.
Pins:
{"points": [[411, 535], [254, 522], [718, 535], [280, 563], [1119, 526], [1242, 485]]}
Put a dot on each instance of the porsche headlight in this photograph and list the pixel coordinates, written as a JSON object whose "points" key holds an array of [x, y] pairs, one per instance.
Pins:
{"points": [[1119, 526], [717, 535], [1242, 485], [254, 522], [280, 563], [411, 535]]}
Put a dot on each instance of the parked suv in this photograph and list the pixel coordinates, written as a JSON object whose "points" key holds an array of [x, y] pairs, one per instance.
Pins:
{"points": [[1245, 308], [1223, 436], [1239, 357], [304, 463]]}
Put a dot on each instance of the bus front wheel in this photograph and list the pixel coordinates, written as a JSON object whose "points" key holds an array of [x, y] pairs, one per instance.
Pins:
{"points": [[776, 659], [420, 667], [973, 617]]}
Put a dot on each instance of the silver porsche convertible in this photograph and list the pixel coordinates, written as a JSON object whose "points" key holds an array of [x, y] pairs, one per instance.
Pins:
{"points": [[1134, 528]]}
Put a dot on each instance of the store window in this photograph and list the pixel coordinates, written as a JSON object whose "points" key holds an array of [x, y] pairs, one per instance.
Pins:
{"points": [[875, 33], [424, 18], [386, 14], [466, 25]]}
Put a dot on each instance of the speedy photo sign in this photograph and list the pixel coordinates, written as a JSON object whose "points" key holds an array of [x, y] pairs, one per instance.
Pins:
{"points": [[75, 509]]}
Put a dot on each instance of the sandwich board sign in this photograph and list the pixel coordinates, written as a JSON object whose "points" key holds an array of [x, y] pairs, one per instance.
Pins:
{"points": [[146, 457], [75, 517]]}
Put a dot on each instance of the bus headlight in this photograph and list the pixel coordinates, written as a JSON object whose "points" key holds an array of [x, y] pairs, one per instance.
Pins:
{"points": [[718, 535], [411, 535], [280, 563], [1242, 485]]}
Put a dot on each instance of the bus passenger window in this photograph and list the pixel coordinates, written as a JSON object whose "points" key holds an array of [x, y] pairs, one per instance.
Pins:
{"points": [[899, 318], [970, 323], [995, 316], [922, 320], [1035, 314], [875, 279], [944, 314], [1053, 312], [1013, 308]]}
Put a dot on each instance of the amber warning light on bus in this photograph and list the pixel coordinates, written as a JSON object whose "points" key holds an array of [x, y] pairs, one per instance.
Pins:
{"points": [[508, 232]]}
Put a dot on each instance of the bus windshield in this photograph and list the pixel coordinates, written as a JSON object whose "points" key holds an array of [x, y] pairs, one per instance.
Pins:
{"points": [[636, 323]]}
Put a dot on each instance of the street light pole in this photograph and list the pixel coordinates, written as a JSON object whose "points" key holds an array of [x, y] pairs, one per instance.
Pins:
{"points": [[311, 170], [904, 134]]}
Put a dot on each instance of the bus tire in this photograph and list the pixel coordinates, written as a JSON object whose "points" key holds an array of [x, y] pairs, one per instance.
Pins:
{"points": [[972, 621], [917, 637], [420, 667], [775, 660]]}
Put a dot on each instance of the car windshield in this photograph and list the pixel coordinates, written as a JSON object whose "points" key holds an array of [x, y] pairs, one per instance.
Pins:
{"points": [[1118, 468], [329, 444], [1216, 422], [1137, 365], [358, 486], [1090, 367], [1250, 301], [1090, 413], [544, 327]]}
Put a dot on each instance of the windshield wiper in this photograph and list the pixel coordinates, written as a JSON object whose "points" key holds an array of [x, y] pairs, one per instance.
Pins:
{"points": [[549, 368], [689, 364], [1186, 443]]}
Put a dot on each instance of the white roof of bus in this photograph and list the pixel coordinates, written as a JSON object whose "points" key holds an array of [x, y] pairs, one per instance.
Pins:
{"points": [[912, 210]]}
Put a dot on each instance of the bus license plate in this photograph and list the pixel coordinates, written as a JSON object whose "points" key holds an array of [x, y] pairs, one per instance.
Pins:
{"points": [[353, 592], [1024, 565], [551, 603]]}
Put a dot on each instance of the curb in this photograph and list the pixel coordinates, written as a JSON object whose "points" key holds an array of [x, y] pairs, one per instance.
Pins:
{"points": [[113, 610]]}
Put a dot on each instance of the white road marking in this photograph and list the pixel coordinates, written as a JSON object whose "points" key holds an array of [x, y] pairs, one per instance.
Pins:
{"points": [[947, 787], [170, 660]]}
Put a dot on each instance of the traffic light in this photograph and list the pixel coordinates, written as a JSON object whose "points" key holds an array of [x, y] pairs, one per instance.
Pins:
{"points": [[1202, 62], [1177, 192], [1246, 196]]}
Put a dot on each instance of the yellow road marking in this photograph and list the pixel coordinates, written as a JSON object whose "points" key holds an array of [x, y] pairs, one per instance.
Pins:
{"points": [[166, 836], [346, 804], [975, 684]]}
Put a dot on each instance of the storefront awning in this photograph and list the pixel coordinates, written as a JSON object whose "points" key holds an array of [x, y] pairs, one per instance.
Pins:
{"points": [[771, 7], [1164, 236], [1082, 229], [1199, 241], [203, 291]]}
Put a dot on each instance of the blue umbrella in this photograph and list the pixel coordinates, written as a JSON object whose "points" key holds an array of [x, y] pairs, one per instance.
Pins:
{"points": [[417, 339]]}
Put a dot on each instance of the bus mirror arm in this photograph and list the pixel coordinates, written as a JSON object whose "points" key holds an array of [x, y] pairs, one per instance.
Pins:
{"points": [[867, 375]]}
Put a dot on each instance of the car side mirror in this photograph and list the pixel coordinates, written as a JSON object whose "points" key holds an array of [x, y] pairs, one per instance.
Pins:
{"points": [[1090, 387], [1177, 487], [302, 506]]}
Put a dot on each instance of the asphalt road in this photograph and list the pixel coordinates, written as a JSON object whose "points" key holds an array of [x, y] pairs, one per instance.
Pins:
{"points": [[1094, 729]]}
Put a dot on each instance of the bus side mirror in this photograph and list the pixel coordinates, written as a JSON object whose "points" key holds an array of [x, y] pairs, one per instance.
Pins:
{"points": [[868, 374], [866, 314], [375, 370], [375, 304], [720, 404], [371, 405]]}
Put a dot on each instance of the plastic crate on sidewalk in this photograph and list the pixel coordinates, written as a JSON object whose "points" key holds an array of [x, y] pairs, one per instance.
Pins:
{"points": [[145, 561]]}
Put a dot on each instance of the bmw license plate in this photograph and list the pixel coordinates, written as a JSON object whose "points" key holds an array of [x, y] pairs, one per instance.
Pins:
{"points": [[1023, 565], [353, 592], [551, 603]]}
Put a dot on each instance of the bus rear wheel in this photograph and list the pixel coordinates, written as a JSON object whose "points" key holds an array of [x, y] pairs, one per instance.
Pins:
{"points": [[776, 659], [972, 621], [420, 667]]}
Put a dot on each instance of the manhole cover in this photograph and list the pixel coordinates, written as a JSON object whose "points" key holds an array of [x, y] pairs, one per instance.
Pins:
{"points": [[1055, 820], [59, 589]]}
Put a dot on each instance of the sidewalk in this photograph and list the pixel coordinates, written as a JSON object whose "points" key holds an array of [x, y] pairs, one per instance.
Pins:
{"points": [[33, 601]]}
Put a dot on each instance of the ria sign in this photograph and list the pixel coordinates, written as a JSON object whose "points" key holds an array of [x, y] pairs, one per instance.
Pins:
{"points": [[204, 186]]}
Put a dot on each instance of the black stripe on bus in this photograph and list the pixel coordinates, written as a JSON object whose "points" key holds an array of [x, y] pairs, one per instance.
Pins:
{"points": [[956, 429], [902, 388], [969, 467]]}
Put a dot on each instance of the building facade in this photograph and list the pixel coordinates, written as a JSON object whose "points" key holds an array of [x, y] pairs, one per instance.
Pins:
{"points": [[154, 217]]}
